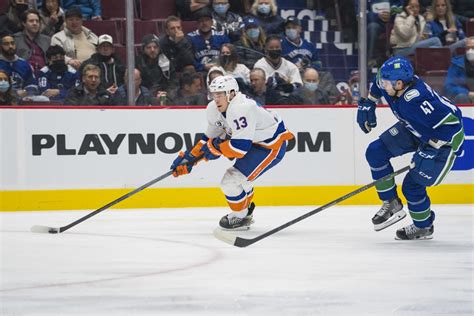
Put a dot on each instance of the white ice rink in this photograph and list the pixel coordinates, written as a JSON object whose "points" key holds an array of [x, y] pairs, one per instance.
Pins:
{"points": [[167, 262]]}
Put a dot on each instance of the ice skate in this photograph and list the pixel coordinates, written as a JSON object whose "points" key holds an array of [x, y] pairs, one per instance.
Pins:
{"points": [[229, 222], [390, 213], [411, 232]]}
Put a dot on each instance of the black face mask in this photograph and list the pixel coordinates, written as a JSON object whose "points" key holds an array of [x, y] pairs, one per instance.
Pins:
{"points": [[274, 53], [224, 59], [58, 66], [21, 8], [104, 59]]}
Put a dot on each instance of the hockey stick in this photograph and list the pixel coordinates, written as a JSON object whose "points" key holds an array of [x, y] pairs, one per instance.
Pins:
{"points": [[227, 237], [57, 230]]}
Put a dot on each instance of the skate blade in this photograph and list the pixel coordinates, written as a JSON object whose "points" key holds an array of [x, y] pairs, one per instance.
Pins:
{"points": [[398, 216], [421, 238]]}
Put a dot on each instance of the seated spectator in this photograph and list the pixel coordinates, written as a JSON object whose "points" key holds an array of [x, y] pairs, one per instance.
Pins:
{"points": [[57, 78], [328, 84], [188, 10], [408, 31], [459, 84], [91, 9], [289, 76], [31, 45], [78, 41], [142, 94], [311, 91], [176, 46], [206, 42], [10, 21], [226, 21], [18, 69], [52, 17], [7, 93], [464, 11], [258, 86], [190, 90], [266, 12], [156, 69], [251, 46], [229, 65], [379, 14], [112, 70], [296, 49], [90, 91], [445, 25]]}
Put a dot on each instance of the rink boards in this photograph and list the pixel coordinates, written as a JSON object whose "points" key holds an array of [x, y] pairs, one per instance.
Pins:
{"points": [[81, 158]]}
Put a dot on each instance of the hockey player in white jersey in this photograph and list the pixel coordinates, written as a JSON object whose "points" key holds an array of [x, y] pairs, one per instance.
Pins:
{"points": [[238, 129], [430, 126]]}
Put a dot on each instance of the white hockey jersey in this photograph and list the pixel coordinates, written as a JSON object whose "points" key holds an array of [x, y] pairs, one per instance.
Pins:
{"points": [[287, 70], [243, 124]]}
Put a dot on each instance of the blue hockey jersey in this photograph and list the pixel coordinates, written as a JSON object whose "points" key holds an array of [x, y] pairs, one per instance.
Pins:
{"points": [[206, 51], [426, 114], [19, 71], [52, 80], [304, 54]]}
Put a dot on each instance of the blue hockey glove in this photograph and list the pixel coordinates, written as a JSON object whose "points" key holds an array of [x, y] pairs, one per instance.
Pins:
{"points": [[211, 148], [366, 115], [424, 159]]}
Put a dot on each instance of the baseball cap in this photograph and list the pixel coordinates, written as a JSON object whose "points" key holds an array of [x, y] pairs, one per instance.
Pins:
{"points": [[292, 19], [105, 38], [250, 21], [204, 12], [74, 11]]}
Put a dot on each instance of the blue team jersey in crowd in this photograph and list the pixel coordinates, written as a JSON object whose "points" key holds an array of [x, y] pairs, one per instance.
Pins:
{"points": [[206, 51], [426, 114], [19, 71], [52, 80], [303, 53]]}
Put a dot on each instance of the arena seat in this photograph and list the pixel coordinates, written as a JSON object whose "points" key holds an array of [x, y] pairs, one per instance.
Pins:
{"points": [[432, 58], [189, 26], [152, 9], [111, 27], [470, 28], [436, 79]]}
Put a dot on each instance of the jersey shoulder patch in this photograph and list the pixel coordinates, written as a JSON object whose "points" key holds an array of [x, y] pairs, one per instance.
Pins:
{"points": [[411, 94]]}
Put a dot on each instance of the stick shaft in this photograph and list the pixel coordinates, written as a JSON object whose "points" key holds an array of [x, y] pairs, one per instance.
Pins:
{"points": [[243, 242]]}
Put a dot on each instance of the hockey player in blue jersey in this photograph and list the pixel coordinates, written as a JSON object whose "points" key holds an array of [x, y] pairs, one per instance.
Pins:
{"points": [[429, 125]]}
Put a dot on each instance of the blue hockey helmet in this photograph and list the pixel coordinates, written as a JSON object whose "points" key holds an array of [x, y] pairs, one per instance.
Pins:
{"points": [[397, 68]]}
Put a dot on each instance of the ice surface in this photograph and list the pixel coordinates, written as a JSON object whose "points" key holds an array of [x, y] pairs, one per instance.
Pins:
{"points": [[167, 262]]}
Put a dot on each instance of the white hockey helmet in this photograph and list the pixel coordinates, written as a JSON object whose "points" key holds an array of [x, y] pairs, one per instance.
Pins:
{"points": [[224, 84]]}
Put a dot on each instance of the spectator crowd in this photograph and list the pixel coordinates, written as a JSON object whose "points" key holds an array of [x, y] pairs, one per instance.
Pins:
{"points": [[48, 55]]}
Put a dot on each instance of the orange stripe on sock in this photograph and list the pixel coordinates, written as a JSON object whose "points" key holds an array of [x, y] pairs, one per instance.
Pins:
{"points": [[239, 206]]}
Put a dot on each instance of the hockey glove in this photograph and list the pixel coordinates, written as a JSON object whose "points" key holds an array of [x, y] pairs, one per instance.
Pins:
{"points": [[180, 165], [424, 159], [366, 115], [211, 148]]}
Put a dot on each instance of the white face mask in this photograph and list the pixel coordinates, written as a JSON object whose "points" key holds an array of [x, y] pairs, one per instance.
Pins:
{"points": [[470, 55], [4, 86], [311, 86]]}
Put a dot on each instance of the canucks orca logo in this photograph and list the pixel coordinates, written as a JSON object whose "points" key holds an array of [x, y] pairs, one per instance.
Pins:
{"points": [[466, 160]]}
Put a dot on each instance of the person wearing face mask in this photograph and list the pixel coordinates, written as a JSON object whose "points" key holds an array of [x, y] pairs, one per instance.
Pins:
{"points": [[112, 68], [226, 21], [251, 46], [7, 94], [229, 65], [57, 78], [10, 21], [286, 73], [265, 11], [311, 91], [296, 49], [459, 84]]}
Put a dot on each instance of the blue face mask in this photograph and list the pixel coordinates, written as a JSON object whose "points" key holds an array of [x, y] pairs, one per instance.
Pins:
{"points": [[221, 9], [311, 86], [292, 34], [253, 33], [263, 8], [4, 86]]}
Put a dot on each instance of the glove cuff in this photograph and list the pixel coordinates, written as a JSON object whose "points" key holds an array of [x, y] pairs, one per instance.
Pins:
{"points": [[213, 150]]}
